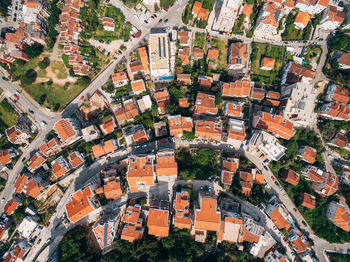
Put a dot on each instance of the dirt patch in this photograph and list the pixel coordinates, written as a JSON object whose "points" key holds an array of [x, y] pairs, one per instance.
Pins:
{"points": [[56, 72]]}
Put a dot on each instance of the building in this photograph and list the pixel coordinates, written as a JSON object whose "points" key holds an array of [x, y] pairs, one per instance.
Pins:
{"points": [[108, 125], [166, 166], [205, 104], [6, 155], [298, 102], [138, 86], [338, 215], [345, 176], [308, 201], [268, 19], [207, 216], [184, 55], [237, 56], [313, 174], [267, 63], [162, 98], [140, 174], [298, 241], [239, 88], [119, 79], [198, 53], [105, 147], [182, 218], [10, 207], [294, 72], [335, 111], [184, 37], [336, 93], [290, 176], [307, 154], [199, 12], [30, 186], [229, 169], [144, 59], [212, 57], [231, 228], [179, 124], [279, 214], [133, 223], [90, 133], [311, 7], [112, 188], [92, 108], [16, 252], [265, 146], [301, 20], [60, 167], [208, 129], [236, 130], [76, 159], [275, 124], [183, 102], [158, 218], [139, 134], [159, 54], [108, 24], [328, 186], [126, 112], [275, 256], [160, 129], [344, 60], [144, 103], [184, 79], [257, 94], [225, 19], [35, 162], [50, 148], [233, 109], [67, 130], [248, 177], [339, 140], [26, 228], [332, 17], [81, 204], [105, 230], [16, 136]]}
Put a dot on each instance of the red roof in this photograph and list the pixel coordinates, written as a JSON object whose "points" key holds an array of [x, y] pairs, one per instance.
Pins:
{"points": [[207, 216], [10, 207], [239, 88], [64, 130], [158, 222], [80, 206]]}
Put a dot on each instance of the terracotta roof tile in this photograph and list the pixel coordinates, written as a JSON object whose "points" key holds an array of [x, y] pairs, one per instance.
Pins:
{"points": [[309, 201], [80, 205]]}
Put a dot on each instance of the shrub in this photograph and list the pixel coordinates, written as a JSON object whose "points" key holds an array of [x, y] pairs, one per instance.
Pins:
{"points": [[44, 63], [33, 50]]}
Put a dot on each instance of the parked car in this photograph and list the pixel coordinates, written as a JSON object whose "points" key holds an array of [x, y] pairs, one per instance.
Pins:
{"points": [[303, 222], [43, 123], [108, 158]]}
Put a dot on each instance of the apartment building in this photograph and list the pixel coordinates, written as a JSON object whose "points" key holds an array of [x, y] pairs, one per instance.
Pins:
{"points": [[268, 19], [225, 19], [229, 168], [338, 215], [140, 174], [68, 130], [236, 130], [332, 17], [158, 218], [133, 223], [179, 124], [336, 93], [239, 88], [208, 129], [60, 167], [205, 104], [166, 166], [182, 218], [311, 7]]}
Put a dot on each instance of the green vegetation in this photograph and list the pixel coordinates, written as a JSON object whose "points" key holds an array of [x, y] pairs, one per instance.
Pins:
{"points": [[176, 91], [2, 184], [3, 6], [8, 115], [198, 164], [33, 50], [122, 91], [313, 52], [222, 45], [166, 3], [200, 40], [340, 42], [131, 3], [264, 78], [292, 33], [238, 27], [188, 136], [52, 20], [187, 13], [177, 247], [335, 257]]}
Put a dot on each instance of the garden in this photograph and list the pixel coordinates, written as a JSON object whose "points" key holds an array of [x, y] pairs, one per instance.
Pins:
{"points": [[222, 45], [291, 33]]}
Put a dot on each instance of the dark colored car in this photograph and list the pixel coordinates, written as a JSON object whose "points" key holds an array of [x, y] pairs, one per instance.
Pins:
{"points": [[302, 221], [166, 20]]}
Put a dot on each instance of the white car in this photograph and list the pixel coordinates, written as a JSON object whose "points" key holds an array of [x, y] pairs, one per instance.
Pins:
{"points": [[43, 123]]}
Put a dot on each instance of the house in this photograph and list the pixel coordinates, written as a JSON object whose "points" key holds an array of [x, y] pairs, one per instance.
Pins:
{"points": [[76, 159], [20, 183], [231, 228], [108, 125], [225, 18], [239, 88], [126, 112], [208, 129], [298, 102], [67, 130], [16, 252], [229, 168], [16, 136], [205, 81], [144, 59], [298, 241], [336, 93], [140, 174], [139, 134], [105, 147], [257, 94], [119, 79], [301, 20], [182, 218], [166, 166], [311, 7], [105, 230], [207, 215], [313, 174], [335, 111], [294, 72], [108, 24], [344, 60], [144, 103], [307, 154], [136, 67], [35, 162], [198, 53], [273, 123], [345, 176], [159, 51], [233, 109], [308, 201], [158, 218], [92, 108], [249, 176], [59, 167], [331, 18], [33, 188], [205, 104], [50, 148], [6, 155], [278, 214], [267, 63], [247, 11], [268, 19], [199, 12], [138, 86], [265, 146], [328, 186], [81, 204], [183, 102], [184, 79], [212, 57], [160, 129], [290, 176], [184, 37], [133, 228], [339, 140], [90, 133], [236, 130], [26, 228], [184, 55], [179, 124], [237, 56], [275, 256], [338, 215], [10, 207], [162, 98]]}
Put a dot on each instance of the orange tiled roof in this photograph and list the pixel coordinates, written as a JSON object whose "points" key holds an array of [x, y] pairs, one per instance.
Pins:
{"points": [[104, 148], [162, 95], [271, 102], [180, 124], [183, 102], [230, 167], [207, 217], [21, 181], [236, 133], [198, 53], [309, 154], [184, 37], [213, 53], [273, 10], [203, 14], [112, 190], [257, 93], [208, 129], [10, 207], [291, 177], [268, 62], [166, 164], [345, 59], [205, 104], [184, 55], [108, 125], [36, 161], [302, 18], [341, 94], [140, 170], [182, 208], [12, 133], [136, 66], [342, 218], [140, 137], [273, 95], [5, 156], [118, 77], [233, 109], [51, 147], [299, 245], [144, 58], [184, 79], [64, 130], [80, 205], [133, 223], [238, 53], [158, 222], [138, 86], [196, 7], [75, 159], [335, 15], [279, 220], [247, 10], [58, 170], [309, 201], [34, 189], [239, 88]]}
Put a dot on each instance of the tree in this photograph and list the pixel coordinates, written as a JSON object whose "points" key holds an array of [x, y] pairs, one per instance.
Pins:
{"points": [[29, 77], [33, 50], [44, 63]]}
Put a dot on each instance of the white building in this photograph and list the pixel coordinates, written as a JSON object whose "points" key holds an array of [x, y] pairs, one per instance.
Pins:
{"points": [[268, 19], [145, 103], [332, 17], [108, 24], [225, 18], [311, 7], [298, 102], [26, 228], [90, 133]]}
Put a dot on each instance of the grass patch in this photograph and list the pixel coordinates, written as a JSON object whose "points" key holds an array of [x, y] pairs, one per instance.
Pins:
{"points": [[58, 68], [8, 114], [200, 40], [65, 60], [222, 45], [42, 73]]}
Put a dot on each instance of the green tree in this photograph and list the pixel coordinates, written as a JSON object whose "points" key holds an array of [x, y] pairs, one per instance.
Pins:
{"points": [[33, 50], [29, 77], [44, 63]]}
